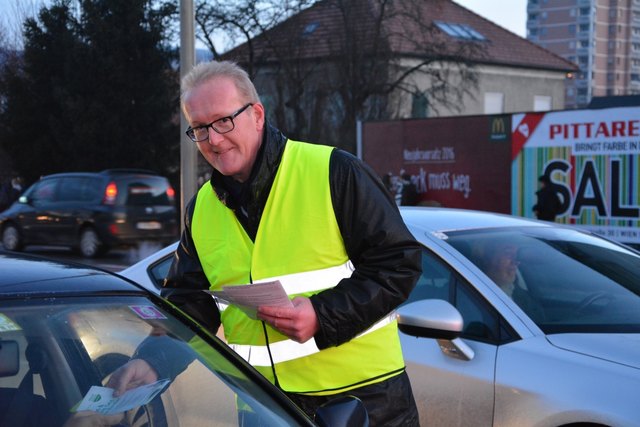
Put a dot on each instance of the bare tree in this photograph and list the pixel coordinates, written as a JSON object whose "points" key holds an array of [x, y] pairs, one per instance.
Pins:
{"points": [[322, 68]]}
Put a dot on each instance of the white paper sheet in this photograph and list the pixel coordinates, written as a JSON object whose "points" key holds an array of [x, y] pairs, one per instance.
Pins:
{"points": [[250, 297], [101, 399]]}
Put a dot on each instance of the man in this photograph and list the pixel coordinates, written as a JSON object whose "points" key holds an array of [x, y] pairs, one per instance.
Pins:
{"points": [[500, 262], [318, 220], [548, 205]]}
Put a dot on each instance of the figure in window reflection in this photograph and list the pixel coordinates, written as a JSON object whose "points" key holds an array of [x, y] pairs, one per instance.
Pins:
{"points": [[500, 262]]}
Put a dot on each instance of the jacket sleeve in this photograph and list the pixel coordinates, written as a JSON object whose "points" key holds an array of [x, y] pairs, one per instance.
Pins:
{"points": [[386, 256], [186, 280]]}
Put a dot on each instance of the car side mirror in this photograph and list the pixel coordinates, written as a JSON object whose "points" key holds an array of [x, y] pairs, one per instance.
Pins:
{"points": [[430, 318], [348, 411]]}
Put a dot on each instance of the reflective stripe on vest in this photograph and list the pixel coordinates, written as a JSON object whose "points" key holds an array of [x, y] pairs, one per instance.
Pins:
{"points": [[299, 242], [287, 350], [312, 281]]}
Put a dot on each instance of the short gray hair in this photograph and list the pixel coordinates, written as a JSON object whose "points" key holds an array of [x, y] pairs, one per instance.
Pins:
{"points": [[206, 71]]}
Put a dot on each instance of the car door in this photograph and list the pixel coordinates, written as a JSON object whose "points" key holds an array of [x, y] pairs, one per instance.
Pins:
{"points": [[36, 219], [451, 390], [70, 209]]}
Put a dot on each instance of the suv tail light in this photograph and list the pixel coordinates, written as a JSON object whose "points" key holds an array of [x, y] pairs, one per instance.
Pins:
{"points": [[171, 193], [110, 194]]}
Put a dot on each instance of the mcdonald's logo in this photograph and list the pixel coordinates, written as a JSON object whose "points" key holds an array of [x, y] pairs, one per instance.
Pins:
{"points": [[500, 128]]}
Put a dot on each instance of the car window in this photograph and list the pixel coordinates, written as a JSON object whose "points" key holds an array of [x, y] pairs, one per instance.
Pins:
{"points": [[66, 346], [70, 189], [439, 281], [43, 191], [564, 279], [159, 270], [143, 191]]}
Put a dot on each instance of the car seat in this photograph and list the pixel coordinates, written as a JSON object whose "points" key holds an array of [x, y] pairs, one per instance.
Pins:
{"points": [[20, 407]]}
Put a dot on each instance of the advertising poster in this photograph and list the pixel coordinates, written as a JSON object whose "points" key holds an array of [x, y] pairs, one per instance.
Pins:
{"points": [[592, 159], [460, 162]]}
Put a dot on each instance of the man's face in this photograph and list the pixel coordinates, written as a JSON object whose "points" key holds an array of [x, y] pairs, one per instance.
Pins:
{"points": [[233, 153], [504, 264]]}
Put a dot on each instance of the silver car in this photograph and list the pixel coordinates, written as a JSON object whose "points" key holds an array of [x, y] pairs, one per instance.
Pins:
{"points": [[515, 322]]}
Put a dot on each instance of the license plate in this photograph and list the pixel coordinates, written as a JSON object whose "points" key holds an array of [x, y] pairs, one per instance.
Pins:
{"points": [[149, 225]]}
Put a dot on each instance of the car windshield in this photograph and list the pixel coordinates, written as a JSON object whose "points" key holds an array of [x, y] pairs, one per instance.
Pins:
{"points": [[53, 351], [564, 279]]}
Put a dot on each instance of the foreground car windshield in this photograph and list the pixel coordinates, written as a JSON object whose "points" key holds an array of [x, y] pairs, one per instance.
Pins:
{"points": [[52, 351], [565, 280]]}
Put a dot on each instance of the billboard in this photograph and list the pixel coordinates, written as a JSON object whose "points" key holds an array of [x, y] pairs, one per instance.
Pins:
{"points": [[461, 162], [592, 159]]}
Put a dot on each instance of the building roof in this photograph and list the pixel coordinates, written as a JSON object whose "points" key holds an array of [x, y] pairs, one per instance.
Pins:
{"points": [[318, 32]]}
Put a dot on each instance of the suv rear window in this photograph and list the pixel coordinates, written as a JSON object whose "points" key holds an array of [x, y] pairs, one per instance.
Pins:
{"points": [[143, 191]]}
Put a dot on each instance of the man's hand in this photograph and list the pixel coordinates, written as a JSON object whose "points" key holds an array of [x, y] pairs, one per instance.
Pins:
{"points": [[132, 374], [299, 323]]}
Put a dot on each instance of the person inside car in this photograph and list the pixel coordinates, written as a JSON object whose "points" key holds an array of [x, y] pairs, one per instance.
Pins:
{"points": [[500, 262]]}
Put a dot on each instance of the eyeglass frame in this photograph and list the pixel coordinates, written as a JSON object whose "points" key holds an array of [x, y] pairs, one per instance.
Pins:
{"points": [[230, 117]]}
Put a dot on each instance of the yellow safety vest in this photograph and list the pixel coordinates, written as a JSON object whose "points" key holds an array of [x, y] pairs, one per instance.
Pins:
{"points": [[298, 242]]}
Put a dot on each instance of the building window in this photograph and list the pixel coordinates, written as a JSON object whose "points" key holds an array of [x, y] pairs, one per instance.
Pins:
{"points": [[541, 103], [584, 28], [419, 104], [493, 103], [461, 31]]}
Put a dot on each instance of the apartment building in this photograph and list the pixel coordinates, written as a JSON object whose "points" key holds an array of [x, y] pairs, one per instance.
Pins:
{"points": [[601, 36]]}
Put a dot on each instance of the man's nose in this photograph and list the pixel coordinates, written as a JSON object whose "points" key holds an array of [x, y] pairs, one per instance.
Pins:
{"points": [[214, 137]]}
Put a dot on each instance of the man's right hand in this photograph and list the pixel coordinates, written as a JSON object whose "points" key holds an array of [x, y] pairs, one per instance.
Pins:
{"points": [[134, 373]]}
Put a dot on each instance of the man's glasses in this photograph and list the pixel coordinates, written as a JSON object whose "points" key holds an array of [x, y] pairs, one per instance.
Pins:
{"points": [[221, 126]]}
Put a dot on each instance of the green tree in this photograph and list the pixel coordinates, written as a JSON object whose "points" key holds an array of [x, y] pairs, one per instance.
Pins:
{"points": [[95, 88]]}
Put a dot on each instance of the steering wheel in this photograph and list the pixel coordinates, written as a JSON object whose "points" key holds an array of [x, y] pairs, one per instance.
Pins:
{"points": [[590, 300]]}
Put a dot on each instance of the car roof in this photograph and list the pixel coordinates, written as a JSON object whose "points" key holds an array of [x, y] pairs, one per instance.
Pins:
{"points": [[106, 173], [437, 219], [24, 274]]}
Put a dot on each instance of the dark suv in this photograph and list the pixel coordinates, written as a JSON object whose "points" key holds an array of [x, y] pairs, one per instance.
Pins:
{"points": [[92, 212]]}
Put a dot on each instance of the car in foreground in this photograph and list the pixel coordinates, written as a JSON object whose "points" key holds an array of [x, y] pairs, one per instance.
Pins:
{"points": [[65, 328], [92, 212], [567, 354]]}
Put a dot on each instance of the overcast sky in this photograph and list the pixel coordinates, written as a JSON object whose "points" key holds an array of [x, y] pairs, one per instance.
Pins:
{"points": [[510, 14]]}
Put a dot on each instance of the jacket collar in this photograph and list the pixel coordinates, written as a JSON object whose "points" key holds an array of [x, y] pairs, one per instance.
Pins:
{"points": [[252, 195]]}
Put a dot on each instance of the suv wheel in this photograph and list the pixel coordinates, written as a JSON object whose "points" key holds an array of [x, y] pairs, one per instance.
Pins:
{"points": [[11, 239], [90, 244]]}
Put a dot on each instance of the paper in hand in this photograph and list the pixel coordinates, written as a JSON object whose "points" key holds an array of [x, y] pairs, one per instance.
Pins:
{"points": [[249, 297], [101, 399]]}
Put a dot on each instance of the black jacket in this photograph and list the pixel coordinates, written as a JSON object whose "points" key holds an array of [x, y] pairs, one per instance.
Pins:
{"points": [[548, 205], [386, 257]]}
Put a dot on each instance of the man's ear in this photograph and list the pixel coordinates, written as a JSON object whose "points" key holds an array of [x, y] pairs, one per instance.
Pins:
{"points": [[258, 111]]}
